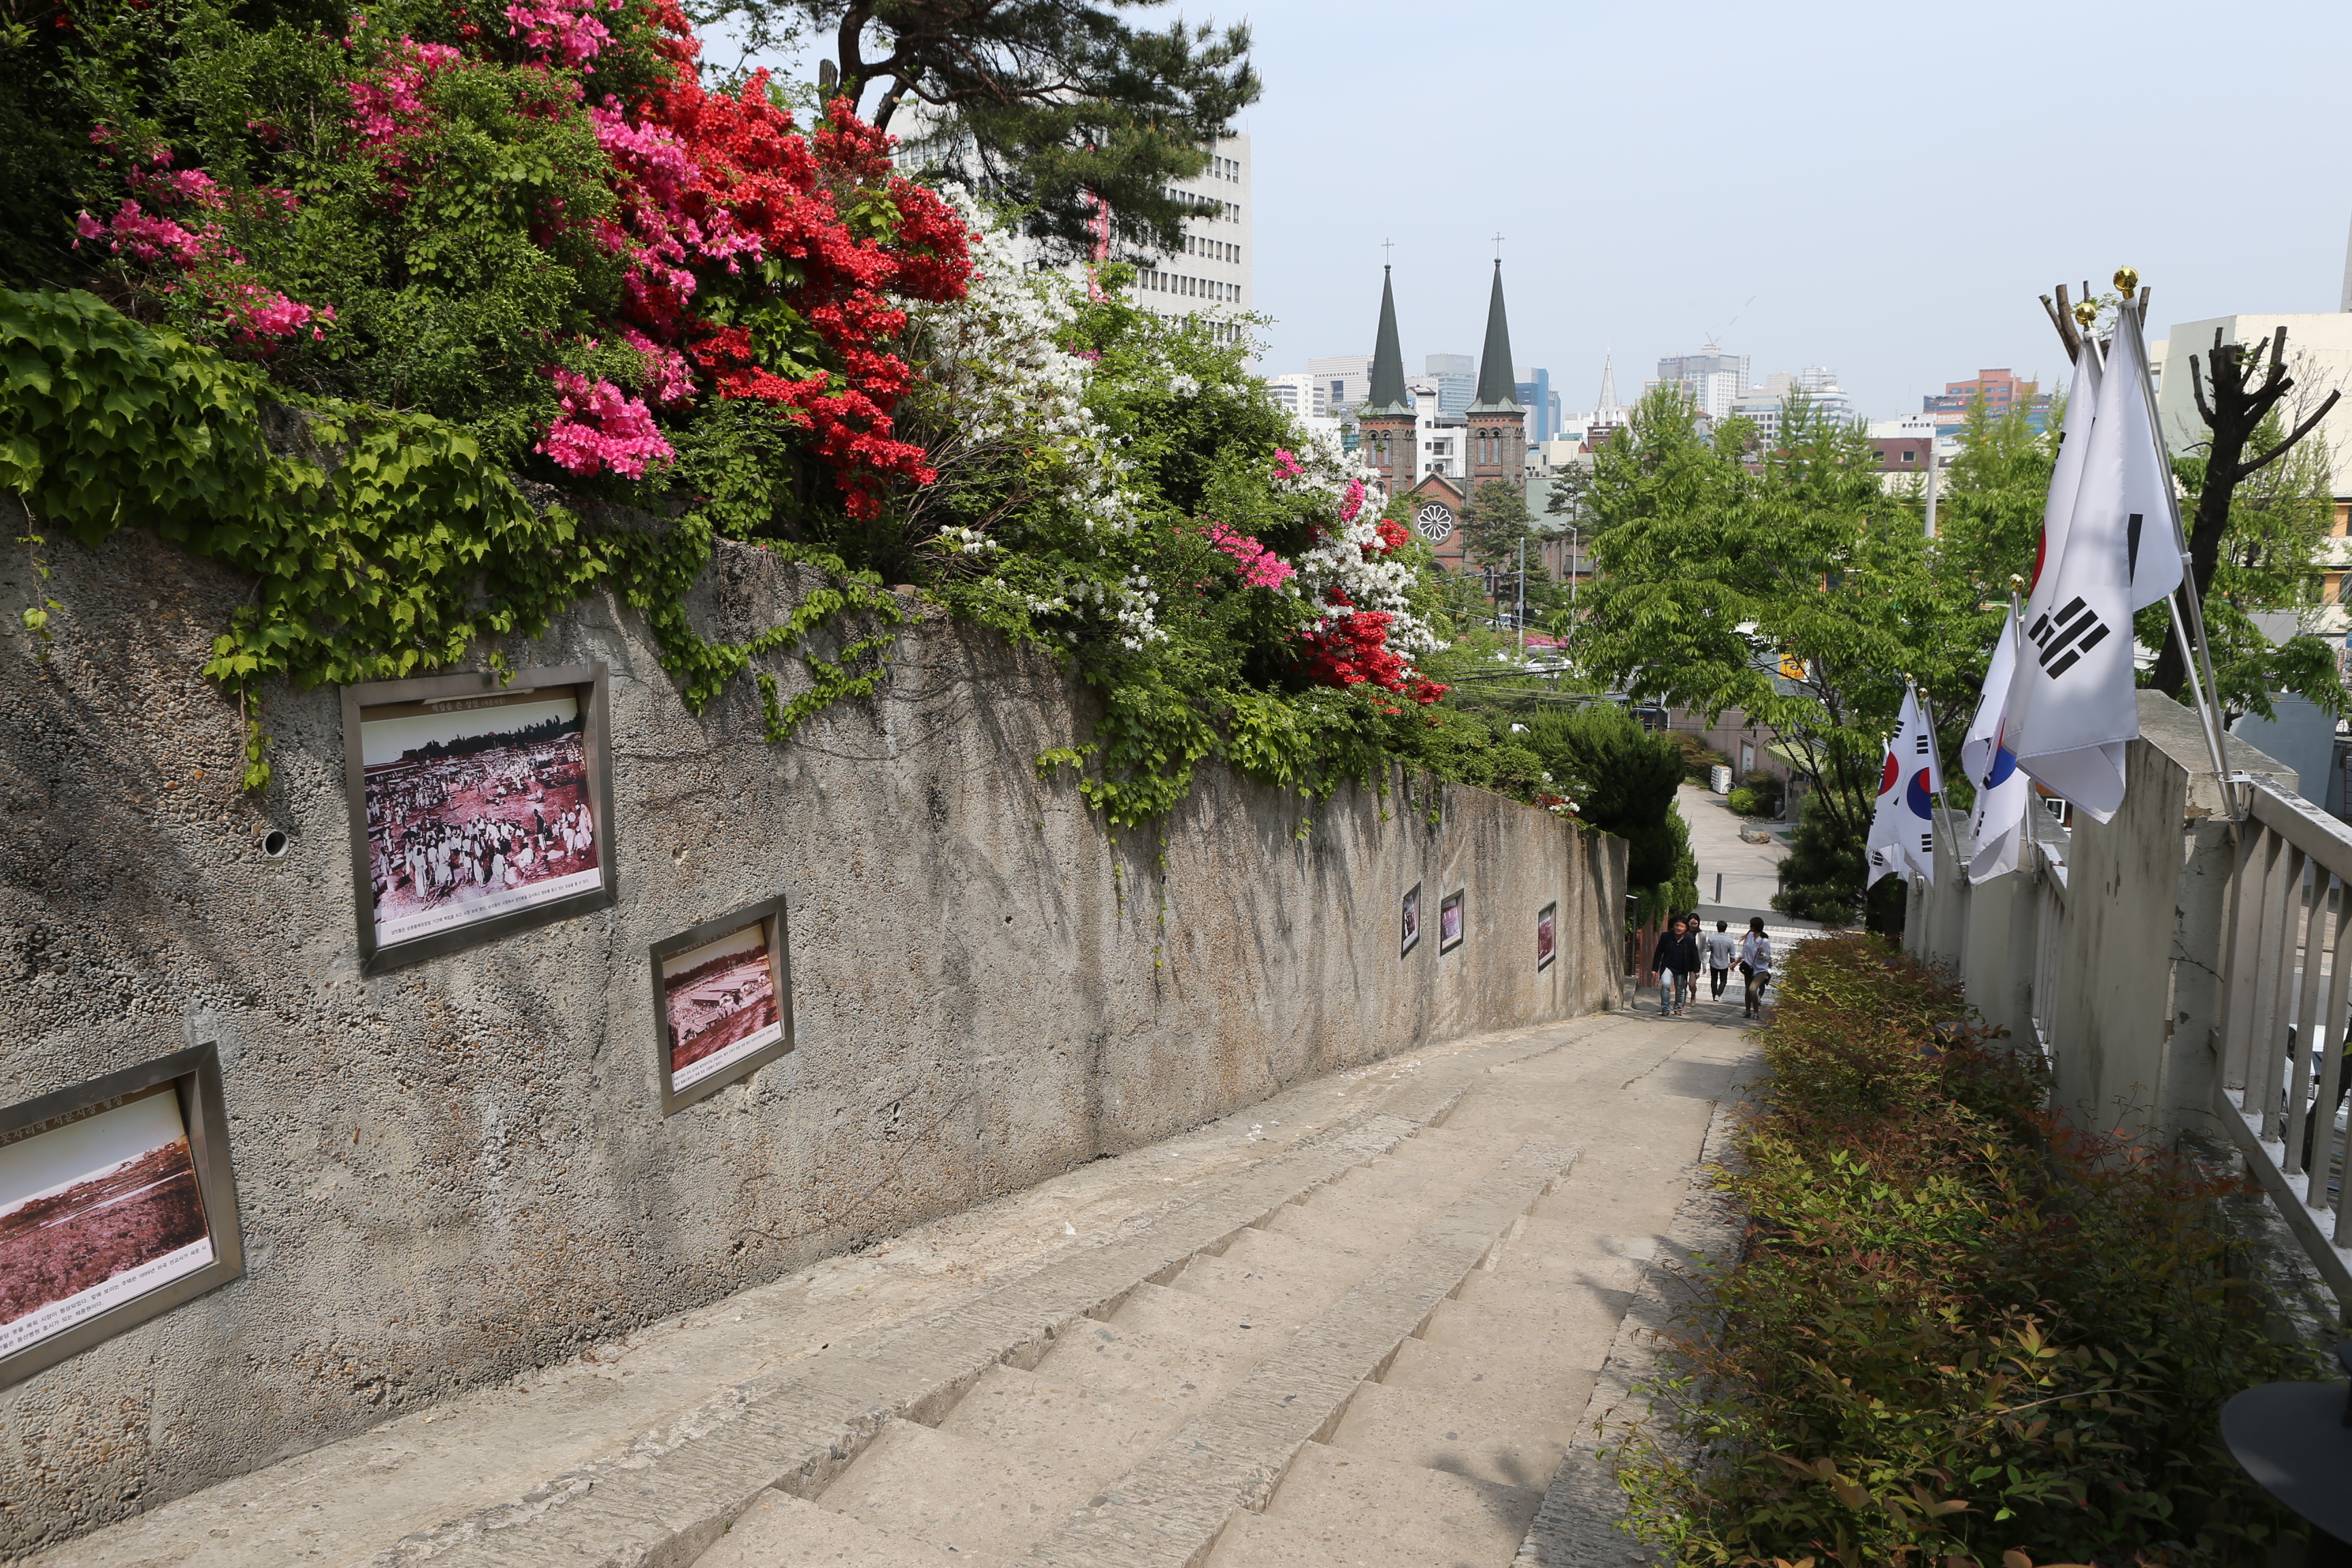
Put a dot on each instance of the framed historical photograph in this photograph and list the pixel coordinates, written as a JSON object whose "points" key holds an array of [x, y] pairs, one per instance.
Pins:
{"points": [[1412, 934], [1449, 920], [115, 1203], [478, 807], [722, 1002], [1547, 935]]}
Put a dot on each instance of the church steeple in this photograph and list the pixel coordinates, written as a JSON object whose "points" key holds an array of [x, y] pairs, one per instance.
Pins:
{"points": [[1388, 393], [1607, 383], [1498, 389]]}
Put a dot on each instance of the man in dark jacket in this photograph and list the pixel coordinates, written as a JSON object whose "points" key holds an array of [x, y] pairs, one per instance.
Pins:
{"points": [[1676, 962]]}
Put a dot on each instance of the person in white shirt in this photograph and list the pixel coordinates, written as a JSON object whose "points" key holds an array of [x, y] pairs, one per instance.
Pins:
{"points": [[1722, 948], [1756, 964]]}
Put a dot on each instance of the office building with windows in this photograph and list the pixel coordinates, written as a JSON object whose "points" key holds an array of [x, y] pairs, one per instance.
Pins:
{"points": [[1209, 273]]}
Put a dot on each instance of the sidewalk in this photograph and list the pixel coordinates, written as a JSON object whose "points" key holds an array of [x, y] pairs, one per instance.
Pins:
{"points": [[1372, 1320], [1750, 872]]}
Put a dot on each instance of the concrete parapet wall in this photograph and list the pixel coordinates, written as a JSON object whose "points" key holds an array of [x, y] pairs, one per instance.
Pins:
{"points": [[458, 1171]]}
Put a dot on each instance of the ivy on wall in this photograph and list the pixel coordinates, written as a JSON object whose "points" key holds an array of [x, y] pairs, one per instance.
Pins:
{"points": [[383, 544]]}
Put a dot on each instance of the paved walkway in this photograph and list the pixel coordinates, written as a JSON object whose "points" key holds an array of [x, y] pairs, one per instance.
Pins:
{"points": [[1750, 872], [1373, 1320]]}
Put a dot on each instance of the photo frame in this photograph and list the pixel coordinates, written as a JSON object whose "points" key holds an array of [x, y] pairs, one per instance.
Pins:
{"points": [[478, 807], [1547, 936], [722, 1002], [117, 1204], [1411, 935], [1451, 919]]}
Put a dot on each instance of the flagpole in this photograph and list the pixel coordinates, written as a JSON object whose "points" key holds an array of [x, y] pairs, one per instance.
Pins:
{"points": [[1943, 796], [2206, 693]]}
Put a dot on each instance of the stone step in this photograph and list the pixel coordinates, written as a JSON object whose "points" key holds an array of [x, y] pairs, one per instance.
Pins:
{"points": [[959, 1494], [1569, 1308], [1074, 1429], [1544, 1348], [1446, 1517], [779, 1531], [1169, 1510], [1285, 1297], [1278, 1249], [1492, 1382], [1414, 1427], [1255, 1541], [1158, 1345]]}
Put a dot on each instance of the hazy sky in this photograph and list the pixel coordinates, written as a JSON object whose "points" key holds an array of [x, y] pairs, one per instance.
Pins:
{"points": [[1884, 190]]}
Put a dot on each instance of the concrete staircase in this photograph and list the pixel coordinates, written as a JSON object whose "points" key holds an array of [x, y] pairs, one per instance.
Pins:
{"points": [[1387, 1374], [1382, 1342]]}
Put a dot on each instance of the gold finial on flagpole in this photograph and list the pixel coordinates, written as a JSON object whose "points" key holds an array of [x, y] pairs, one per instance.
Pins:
{"points": [[2086, 313], [2127, 280], [2016, 580]]}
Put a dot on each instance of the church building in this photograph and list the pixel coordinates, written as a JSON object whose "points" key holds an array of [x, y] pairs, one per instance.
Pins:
{"points": [[1493, 429]]}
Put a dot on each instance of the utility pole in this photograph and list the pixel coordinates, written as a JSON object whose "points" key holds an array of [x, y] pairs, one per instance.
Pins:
{"points": [[1931, 481], [1522, 615]]}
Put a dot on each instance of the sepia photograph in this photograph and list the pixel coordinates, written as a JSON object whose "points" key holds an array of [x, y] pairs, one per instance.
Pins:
{"points": [[1546, 934], [1449, 922], [477, 806], [1411, 921], [98, 1206], [721, 1000]]}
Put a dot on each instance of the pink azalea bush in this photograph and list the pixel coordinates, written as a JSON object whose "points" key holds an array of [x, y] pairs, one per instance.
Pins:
{"points": [[1259, 567], [601, 427]]}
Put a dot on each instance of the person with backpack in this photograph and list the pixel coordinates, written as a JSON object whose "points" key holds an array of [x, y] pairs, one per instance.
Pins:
{"points": [[1756, 965], [1722, 951]]}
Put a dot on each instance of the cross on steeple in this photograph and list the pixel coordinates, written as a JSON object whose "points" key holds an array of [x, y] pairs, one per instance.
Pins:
{"points": [[1497, 237], [1386, 246]]}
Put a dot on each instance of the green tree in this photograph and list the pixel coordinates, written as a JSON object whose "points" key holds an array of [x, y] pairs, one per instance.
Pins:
{"points": [[1057, 108], [1800, 592], [1623, 781], [1494, 521]]}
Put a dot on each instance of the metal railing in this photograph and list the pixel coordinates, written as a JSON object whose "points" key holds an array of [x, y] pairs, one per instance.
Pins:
{"points": [[2284, 1013]]}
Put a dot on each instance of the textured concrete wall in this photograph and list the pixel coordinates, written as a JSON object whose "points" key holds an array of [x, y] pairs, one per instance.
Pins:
{"points": [[457, 1171]]}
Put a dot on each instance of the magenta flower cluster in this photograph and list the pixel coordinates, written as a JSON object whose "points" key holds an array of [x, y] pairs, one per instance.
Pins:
{"points": [[567, 29], [601, 427], [1259, 567]]}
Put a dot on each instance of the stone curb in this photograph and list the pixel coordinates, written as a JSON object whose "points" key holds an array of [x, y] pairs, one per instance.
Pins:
{"points": [[661, 1499], [1580, 1523], [1167, 1511]]}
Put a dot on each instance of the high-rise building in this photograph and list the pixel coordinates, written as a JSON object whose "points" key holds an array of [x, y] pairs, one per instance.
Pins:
{"points": [[1763, 405], [1209, 272], [1712, 380], [1341, 381], [1456, 379], [1542, 403]]}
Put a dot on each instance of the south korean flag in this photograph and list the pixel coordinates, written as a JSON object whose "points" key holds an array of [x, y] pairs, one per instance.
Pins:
{"points": [[2073, 708], [1902, 831], [2002, 791]]}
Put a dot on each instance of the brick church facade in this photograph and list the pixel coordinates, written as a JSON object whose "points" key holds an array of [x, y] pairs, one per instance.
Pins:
{"points": [[1495, 434]]}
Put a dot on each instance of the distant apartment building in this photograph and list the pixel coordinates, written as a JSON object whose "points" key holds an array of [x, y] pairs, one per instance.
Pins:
{"points": [[1297, 395], [2003, 391], [1341, 382], [1712, 380], [1456, 376], [1208, 274], [1766, 406]]}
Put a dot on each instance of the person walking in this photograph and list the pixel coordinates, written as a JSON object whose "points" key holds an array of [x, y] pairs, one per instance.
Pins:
{"points": [[1756, 965], [1676, 962], [1722, 951]]}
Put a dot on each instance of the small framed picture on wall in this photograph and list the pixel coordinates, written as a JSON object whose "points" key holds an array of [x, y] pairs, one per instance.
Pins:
{"points": [[1547, 935], [1449, 920], [722, 1002], [116, 1204], [1411, 935]]}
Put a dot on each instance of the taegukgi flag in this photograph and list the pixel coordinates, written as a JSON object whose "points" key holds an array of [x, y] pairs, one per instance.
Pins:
{"points": [[2072, 709], [2152, 539], [2066, 473], [1902, 834], [2002, 791]]}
